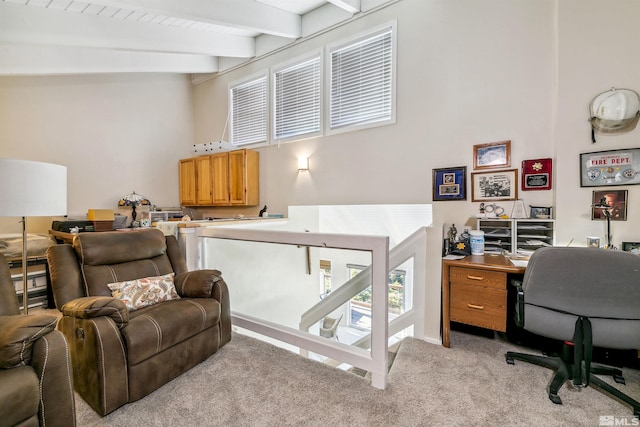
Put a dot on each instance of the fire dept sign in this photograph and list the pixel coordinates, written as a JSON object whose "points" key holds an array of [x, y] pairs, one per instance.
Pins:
{"points": [[606, 168]]}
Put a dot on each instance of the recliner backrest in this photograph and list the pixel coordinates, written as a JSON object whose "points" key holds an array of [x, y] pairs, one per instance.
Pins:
{"points": [[118, 256], [108, 257]]}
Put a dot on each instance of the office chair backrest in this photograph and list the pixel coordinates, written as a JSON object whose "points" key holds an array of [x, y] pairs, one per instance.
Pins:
{"points": [[562, 283]]}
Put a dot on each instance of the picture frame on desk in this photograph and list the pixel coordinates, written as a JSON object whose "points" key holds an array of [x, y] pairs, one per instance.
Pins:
{"points": [[633, 247], [541, 212], [450, 183]]}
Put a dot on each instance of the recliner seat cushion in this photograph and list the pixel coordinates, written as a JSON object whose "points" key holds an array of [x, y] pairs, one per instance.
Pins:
{"points": [[153, 329]]}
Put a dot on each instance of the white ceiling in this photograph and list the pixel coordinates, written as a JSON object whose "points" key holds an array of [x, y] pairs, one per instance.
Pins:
{"points": [[39, 37]]}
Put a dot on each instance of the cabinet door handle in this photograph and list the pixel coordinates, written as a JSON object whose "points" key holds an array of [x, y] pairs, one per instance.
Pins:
{"points": [[475, 277], [477, 307]]}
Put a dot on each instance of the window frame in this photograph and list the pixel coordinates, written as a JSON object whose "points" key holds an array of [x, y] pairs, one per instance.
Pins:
{"points": [[369, 34], [241, 82], [316, 54]]}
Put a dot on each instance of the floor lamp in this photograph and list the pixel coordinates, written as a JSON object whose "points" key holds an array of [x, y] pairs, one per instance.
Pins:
{"points": [[29, 188]]}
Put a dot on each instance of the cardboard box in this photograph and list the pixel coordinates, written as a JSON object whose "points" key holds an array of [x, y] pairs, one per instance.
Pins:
{"points": [[103, 225], [100, 215]]}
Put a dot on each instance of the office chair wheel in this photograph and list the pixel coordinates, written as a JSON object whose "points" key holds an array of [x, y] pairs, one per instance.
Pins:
{"points": [[555, 399], [619, 379], [509, 359]]}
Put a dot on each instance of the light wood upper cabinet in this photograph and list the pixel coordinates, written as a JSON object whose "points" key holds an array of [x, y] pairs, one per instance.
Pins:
{"points": [[220, 165], [222, 179], [204, 181], [187, 182], [243, 178]]}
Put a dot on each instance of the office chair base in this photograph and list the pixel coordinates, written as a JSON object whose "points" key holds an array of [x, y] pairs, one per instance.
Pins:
{"points": [[564, 372]]}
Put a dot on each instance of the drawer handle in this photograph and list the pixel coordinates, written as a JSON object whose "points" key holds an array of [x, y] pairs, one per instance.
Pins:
{"points": [[477, 307], [475, 277]]}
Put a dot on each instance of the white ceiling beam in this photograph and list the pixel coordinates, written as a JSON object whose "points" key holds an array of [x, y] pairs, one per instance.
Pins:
{"points": [[323, 17], [34, 25], [243, 14], [47, 60], [351, 6]]}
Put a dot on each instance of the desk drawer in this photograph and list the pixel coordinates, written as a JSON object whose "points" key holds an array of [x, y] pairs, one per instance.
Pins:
{"points": [[476, 276], [479, 306]]}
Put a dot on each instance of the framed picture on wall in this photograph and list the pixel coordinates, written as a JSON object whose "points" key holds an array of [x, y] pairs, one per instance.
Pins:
{"points": [[536, 174], [617, 201], [608, 168], [494, 185], [492, 155], [450, 183]]}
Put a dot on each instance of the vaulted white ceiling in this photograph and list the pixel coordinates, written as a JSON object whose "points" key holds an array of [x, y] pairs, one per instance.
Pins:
{"points": [[39, 37]]}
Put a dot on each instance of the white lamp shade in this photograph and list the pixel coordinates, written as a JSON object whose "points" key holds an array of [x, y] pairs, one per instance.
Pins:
{"points": [[29, 188]]}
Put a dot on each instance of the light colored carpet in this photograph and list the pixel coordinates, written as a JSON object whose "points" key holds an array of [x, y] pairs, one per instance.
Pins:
{"points": [[252, 383]]}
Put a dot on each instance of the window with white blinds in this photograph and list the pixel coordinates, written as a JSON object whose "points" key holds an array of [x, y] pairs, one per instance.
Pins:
{"points": [[249, 112], [362, 82], [296, 99]]}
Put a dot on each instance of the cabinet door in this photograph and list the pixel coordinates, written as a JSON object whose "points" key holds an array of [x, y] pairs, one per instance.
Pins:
{"points": [[244, 178], [237, 180], [187, 182], [220, 168], [204, 190]]}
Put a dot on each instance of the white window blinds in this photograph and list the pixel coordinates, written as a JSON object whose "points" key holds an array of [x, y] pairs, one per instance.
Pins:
{"points": [[362, 81], [297, 100], [249, 112]]}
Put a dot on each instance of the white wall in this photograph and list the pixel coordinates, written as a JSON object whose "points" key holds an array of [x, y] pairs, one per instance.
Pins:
{"points": [[596, 51], [469, 72], [115, 133]]}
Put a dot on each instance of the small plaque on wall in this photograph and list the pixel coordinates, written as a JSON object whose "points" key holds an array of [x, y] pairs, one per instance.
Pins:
{"points": [[536, 174]]}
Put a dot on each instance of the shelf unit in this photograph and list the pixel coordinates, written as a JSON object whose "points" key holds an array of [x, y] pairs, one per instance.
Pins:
{"points": [[517, 235], [38, 281]]}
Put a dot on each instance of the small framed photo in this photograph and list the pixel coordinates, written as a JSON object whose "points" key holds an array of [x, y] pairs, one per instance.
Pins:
{"points": [[495, 185], [450, 183], [593, 242], [617, 201], [494, 155], [541, 212], [633, 247], [536, 174]]}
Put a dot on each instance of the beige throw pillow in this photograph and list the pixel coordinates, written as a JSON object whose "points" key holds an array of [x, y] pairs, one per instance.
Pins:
{"points": [[139, 293]]}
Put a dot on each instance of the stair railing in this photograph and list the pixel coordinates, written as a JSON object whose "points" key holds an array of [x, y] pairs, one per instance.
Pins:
{"points": [[374, 361]]}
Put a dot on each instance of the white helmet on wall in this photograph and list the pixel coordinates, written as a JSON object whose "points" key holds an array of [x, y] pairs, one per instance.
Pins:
{"points": [[614, 111]]}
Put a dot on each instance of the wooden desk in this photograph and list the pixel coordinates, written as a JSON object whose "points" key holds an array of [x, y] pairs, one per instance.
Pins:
{"points": [[474, 292]]}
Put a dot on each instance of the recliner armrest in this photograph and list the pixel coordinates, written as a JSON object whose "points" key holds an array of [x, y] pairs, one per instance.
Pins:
{"points": [[208, 284], [92, 307], [17, 335], [519, 311], [197, 284]]}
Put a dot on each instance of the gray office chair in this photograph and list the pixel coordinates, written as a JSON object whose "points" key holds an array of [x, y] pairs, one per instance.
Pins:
{"points": [[585, 297]]}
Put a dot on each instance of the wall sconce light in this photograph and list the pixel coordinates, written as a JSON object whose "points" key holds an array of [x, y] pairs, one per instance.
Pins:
{"points": [[303, 163]]}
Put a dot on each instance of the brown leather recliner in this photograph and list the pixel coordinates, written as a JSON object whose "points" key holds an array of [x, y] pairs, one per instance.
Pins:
{"points": [[118, 355], [36, 384]]}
